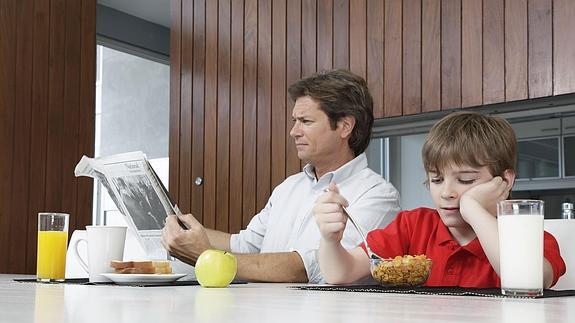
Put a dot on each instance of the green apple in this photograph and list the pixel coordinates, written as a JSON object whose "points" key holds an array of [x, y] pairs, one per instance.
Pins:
{"points": [[216, 268]]}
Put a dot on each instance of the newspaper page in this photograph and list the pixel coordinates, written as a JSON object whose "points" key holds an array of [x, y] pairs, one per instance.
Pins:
{"points": [[138, 193]]}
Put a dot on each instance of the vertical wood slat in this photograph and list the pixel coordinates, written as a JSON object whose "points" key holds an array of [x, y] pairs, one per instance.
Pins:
{"points": [[210, 114], [563, 46], [308, 37], [223, 117], [293, 73], [55, 108], [198, 99], [236, 116], [450, 54], [178, 12], [278, 93], [515, 50], [7, 115], [250, 110], [540, 67], [263, 177], [411, 57], [183, 126], [340, 34], [19, 246], [357, 37], [471, 53], [493, 52], [393, 76], [325, 24], [39, 122], [375, 54], [431, 55]]}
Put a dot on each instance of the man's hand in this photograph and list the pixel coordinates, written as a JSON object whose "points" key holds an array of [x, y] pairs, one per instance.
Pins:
{"points": [[485, 196], [186, 245], [329, 214]]}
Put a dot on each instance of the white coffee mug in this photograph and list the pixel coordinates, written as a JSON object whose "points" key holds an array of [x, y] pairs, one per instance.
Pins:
{"points": [[105, 243]]}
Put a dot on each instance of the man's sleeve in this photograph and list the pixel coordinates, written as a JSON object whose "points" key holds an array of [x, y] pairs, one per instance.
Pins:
{"points": [[250, 240]]}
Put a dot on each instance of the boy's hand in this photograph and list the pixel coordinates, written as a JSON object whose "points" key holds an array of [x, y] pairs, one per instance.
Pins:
{"points": [[485, 196], [329, 215]]}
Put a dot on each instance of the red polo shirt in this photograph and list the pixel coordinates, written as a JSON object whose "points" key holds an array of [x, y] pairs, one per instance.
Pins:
{"points": [[421, 231]]}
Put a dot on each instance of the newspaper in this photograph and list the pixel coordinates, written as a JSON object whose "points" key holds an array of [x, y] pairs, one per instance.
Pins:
{"points": [[138, 193]]}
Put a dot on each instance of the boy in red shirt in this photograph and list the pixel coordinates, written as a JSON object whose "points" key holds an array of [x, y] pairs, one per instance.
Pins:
{"points": [[470, 163]]}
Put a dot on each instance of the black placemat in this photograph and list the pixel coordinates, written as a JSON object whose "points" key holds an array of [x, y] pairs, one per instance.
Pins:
{"points": [[450, 291], [84, 281]]}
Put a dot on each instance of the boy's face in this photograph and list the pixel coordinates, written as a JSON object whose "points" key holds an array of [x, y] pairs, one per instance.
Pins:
{"points": [[447, 188]]}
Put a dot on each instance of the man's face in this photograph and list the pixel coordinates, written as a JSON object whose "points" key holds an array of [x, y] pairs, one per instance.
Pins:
{"points": [[447, 188], [315, 141]]}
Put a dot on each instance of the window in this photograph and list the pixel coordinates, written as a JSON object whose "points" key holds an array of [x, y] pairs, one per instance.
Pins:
{"points": [[132, 113]]}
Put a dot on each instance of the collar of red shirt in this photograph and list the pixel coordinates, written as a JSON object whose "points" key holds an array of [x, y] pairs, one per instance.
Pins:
{"points": [[445, 239]]}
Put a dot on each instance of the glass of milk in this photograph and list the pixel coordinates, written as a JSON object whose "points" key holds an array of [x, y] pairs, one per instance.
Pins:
{"points": [[520, 225]]}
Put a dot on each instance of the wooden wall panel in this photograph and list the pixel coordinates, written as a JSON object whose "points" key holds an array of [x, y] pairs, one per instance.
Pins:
{"points": [[46, 119], [563, 46], [278, 100], [340, 33], [540, 69], [325, 24], [357, 37], [223, 116], [430, 55], [234, 59], [236, 115], [516, 50], [198, 98], [375, 54], [471, 53], [493, 52], [293, 72], [450, 54], [250, 110], [411, 57], [392, 65], [263, 156]]}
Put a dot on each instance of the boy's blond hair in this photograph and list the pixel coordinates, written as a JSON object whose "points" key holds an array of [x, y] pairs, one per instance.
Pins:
{"points": [[473, 139]]}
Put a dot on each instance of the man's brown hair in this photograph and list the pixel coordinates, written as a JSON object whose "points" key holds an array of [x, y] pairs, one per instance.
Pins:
{"points": [[340, 93], [470, 138]]}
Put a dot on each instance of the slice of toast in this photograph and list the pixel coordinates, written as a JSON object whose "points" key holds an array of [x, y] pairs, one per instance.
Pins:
{"points": [[141, 267]]}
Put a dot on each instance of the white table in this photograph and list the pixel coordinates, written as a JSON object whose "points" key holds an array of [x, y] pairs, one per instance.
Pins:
{"points": [[34, 302]]}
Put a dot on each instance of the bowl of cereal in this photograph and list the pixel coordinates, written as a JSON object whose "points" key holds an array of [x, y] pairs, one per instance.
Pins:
{"points": [[401, 271]]}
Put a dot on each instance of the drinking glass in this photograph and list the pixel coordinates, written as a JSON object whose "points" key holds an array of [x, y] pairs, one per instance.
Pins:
{"points": [[520, 224], [52, 242]]}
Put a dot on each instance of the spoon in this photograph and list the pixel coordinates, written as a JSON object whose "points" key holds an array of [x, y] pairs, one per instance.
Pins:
{"points": [[370, 253]]}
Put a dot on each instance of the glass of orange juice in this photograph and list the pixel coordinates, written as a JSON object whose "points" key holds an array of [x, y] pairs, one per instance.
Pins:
{"points": [[52, 242]]}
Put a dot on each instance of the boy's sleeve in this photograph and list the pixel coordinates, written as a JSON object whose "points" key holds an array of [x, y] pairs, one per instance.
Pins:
{"points": [[391, 240], [552, 254]]}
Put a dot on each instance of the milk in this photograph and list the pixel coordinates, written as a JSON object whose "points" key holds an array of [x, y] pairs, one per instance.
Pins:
{"points": [[521, 252]]}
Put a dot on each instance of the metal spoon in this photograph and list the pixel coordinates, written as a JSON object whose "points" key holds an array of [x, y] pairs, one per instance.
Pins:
{"points": [[370, 253]]}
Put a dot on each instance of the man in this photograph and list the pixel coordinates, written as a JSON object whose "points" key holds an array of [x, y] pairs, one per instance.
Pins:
{"points": [[333, 117]]}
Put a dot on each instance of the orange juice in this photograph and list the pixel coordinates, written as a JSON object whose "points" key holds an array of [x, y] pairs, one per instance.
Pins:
{"points": [[51, 260]]}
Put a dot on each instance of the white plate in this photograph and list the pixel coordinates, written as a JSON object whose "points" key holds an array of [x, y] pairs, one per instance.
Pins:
{"points": [[145, 279]]}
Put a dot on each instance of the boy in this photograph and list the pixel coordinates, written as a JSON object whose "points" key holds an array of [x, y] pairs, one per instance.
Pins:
{"points": [[470, 163]]}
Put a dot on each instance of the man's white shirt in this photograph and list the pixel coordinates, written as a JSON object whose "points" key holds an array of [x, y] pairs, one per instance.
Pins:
{"points": [[287, 224]]}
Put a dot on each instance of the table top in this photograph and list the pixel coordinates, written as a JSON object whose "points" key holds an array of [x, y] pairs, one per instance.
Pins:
{"points": [[38, 303]]}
